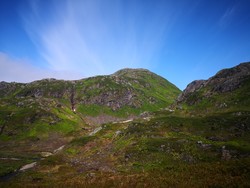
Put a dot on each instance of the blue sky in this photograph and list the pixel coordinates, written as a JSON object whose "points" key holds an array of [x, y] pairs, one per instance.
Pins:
{"points": [[181, 40]]}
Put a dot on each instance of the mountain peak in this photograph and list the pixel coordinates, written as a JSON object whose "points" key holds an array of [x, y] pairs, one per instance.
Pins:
{"points": [[131, 71]]}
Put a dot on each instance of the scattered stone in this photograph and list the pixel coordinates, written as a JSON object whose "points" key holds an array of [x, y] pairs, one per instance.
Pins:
{"points": [[95, 131], [46, 154], [58, 149], [204, 146], [91, 175], [147, 118], [238, 113], [85, 129], [225, 154], [118, 133], [223, 105], [28, 166], [127, 157], [126, 121], [12, 158], [199, 142], [145, 114], [20, 104]]}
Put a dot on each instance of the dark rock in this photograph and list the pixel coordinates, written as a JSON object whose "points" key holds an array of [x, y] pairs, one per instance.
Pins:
{"points": [[127, 157]]}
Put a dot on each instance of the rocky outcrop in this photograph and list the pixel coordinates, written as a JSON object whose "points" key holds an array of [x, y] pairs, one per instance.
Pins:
{"points": [[229, 79], [115, 99], [7, 89], [226, 80], [192, 87]]}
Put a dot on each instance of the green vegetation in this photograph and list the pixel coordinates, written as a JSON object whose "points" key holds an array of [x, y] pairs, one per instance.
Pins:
{"points": [[203, 143], [236, 101], [81, 141], [172, 150]]}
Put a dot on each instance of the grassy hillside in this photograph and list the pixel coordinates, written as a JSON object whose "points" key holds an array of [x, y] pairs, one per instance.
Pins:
{"points": [[226, 92], [129, 91], [44, 115], [165, 150], [49, 105], [204, 142]]}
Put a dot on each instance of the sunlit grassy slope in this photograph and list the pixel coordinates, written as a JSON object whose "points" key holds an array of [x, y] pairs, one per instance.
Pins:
{"points": [[164, 151], [40, 116], [35, 109], [203, 142]]}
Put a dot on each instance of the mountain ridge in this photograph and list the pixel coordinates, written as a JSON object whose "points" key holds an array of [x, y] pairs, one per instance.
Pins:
{"points": [[125, 93], [228, 90]]}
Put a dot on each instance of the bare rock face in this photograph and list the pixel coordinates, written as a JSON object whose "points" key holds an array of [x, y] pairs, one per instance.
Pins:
{"points": [[229, 79], [115, 99], [192, 87], [226, 80]]}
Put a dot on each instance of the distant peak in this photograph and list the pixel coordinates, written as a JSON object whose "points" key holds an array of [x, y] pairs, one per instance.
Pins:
{"points": [[130, 70]]}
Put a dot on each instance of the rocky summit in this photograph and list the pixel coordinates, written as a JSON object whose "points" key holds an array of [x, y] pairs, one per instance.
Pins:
{"points": [[129, 129]]}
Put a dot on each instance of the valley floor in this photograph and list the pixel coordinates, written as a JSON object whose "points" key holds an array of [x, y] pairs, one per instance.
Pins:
{"points": [[162, 150]]}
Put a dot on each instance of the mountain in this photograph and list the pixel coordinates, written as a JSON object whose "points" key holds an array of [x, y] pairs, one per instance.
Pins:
{"points": [[143, 137], [228, 90], [57, 105], [133, 88]]}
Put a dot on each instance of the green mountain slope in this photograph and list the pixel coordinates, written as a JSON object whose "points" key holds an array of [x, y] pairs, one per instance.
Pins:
{"points": [[196, 145], [48, 113], [128, 92], [227, 91]]}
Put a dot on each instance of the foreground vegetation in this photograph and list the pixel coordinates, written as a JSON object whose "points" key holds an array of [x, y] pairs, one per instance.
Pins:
{"points": [[162, 150]]}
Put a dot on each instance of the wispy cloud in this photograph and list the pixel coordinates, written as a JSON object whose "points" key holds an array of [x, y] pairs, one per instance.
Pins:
{"points": [[96, 37], [22, 70], [226, 17]]}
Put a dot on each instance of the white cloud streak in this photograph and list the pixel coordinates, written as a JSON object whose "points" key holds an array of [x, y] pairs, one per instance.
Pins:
{"points": [[226, 17], [94, 37]]}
